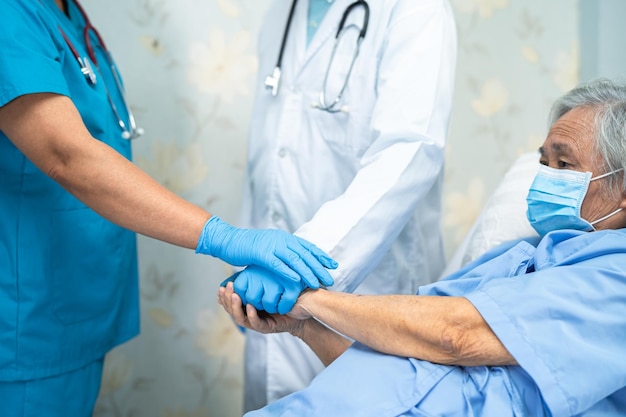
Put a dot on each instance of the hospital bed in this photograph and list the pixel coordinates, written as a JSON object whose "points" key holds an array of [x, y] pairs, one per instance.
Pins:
{"points": [[504, 216]]}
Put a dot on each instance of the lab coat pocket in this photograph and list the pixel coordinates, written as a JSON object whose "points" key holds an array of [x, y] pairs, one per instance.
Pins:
{"points": [[348, 91], [89, 259], [346, 134]]}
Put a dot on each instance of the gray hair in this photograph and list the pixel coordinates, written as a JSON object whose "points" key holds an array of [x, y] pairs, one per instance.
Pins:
{"points": [[608, 98]]}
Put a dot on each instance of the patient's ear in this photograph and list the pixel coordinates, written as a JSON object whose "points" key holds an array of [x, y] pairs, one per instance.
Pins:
{"points": [[623, 202]]}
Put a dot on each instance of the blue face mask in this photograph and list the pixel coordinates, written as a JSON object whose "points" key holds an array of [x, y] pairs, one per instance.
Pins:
{"points": [[555, 198]]}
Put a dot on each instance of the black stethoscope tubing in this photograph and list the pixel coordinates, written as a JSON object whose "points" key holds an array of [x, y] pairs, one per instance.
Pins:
{"points": [[272, 81], [279, 61], [346, 13]]}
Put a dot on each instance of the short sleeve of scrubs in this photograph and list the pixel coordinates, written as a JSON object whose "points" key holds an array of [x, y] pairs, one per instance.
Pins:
{"points": [[31, 65], [565, 324]]}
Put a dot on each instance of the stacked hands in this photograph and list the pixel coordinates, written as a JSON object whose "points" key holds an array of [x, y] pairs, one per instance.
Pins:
{"points": [[281, 265], [268, 291], [248, 316]]}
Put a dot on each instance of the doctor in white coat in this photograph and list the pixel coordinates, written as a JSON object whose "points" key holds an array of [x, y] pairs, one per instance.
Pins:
{"points": [[360, 178]]}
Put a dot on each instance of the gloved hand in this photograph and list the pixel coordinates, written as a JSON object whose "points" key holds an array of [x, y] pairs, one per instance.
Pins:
{"points": [[265, 290], [282, 253]]}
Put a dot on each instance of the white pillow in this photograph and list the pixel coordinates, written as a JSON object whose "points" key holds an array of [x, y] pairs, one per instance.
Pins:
{"points": [[504, 216]]}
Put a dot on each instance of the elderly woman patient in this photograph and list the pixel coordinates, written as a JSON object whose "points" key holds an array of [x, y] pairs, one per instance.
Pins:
{"points": [[535, 327]]}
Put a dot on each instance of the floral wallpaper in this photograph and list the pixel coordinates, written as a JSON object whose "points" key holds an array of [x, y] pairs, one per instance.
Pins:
{"points": [[515, 58], [189, 69]]}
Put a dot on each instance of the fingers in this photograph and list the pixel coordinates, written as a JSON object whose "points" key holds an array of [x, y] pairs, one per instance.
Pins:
{"points": [[232, 304], [288, 299], [313, 257], [240, 286], [262, 324], [304, 264], [282, 267], [220, 296], [319, 254], [230, 279], [254, 293], [264, 290], [271, 294], [316, 273], [238, 312], [294, 259], [323, 277], [253, 316], [259, 287]]}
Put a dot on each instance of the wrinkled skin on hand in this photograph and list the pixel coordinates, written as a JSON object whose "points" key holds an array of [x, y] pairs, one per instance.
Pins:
{"points": [[249, 317]]}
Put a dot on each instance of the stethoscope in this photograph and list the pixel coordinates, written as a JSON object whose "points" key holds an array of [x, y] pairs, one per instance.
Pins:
{"points": [[273, 81], [128, 132]]}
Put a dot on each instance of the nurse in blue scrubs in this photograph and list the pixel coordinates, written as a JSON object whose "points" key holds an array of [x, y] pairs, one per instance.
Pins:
{"points": [[70, 204]]}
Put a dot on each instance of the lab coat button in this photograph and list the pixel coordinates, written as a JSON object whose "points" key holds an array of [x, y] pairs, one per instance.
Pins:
{"points": [[276, 217], [282, 152]]}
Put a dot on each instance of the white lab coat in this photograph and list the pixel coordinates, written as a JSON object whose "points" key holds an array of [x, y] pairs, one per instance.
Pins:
{"points": [[363, 185]]}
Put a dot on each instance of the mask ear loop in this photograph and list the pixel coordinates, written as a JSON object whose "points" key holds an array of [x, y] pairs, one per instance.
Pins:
{"points": [[605, 217], [606, 174], [613, 213]]}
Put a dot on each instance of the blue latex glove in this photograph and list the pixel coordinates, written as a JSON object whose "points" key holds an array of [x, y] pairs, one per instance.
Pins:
{"points": [[284, 254], [265, 290]]}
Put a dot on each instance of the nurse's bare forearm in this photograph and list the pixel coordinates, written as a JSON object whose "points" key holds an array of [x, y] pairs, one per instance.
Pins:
{"points": [[49, 131], [447, 330], [122, 193]]}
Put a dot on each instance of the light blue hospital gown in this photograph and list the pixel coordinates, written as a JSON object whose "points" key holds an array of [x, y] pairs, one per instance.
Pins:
{"points": [[560, 310]]}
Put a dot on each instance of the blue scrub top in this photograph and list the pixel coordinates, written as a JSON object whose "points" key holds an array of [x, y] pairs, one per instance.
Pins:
{"points": [[68, 277], [317, 11], [558, 306]]}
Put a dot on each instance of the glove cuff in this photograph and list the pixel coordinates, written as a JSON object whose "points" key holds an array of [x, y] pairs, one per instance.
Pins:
{"points": [[206, 244]]}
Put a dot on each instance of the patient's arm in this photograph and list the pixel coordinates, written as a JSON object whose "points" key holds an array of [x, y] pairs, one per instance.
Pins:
{"points": [[447, 330]]}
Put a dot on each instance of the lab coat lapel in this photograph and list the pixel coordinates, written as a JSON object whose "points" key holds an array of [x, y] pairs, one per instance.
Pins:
{"points": [[327, 29], [296, 44]]}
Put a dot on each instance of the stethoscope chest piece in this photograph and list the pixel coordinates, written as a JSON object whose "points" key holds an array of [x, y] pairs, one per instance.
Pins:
{"points": [[272, 81]]}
